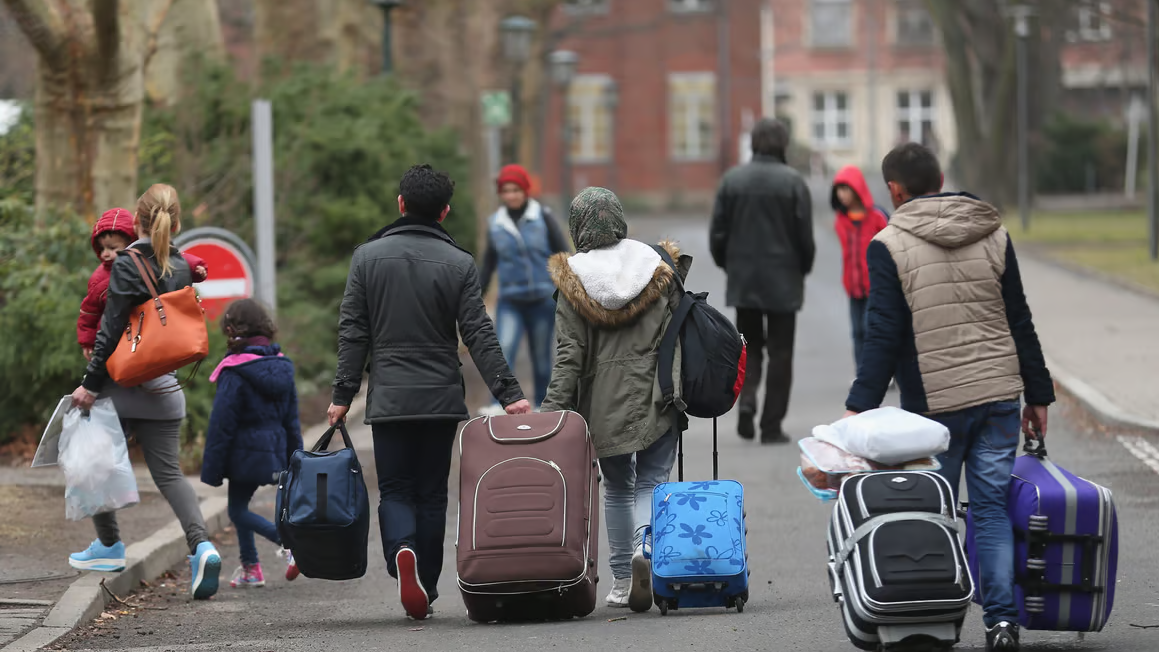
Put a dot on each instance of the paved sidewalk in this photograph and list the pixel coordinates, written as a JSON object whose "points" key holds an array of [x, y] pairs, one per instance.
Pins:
{"points": [[1100, 340]]}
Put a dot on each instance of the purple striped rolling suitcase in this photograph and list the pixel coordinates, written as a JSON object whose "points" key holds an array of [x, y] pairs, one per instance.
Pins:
{"points": [[1066, 546]]}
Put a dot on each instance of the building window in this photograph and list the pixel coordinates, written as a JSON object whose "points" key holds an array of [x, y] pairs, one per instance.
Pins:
{"points": [[915, 117], [692, 116], [586, 6], [831, 24], [590, 116], [915, 26], [1091, 22], [831, 123], [689, 5]]}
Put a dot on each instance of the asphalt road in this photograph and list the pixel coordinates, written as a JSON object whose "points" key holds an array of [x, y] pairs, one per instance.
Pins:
{"points": [[790, 607]]}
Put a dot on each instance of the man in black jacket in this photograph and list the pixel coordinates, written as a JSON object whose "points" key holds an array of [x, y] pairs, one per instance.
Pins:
{"points": [[407, 290], [762, 236]]}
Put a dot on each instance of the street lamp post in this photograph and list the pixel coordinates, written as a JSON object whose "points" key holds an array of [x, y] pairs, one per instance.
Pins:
{"points": [[563, 66], [1153, 128], [611, 101], [516, 32], [1021, 14], [386, 6]]}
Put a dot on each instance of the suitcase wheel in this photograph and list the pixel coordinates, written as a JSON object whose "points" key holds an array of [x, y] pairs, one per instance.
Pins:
{"points": [[663, 607], [740, 605]]}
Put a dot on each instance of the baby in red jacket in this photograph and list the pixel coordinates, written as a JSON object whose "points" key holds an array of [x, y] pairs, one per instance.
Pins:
{"points": [[112, 233]]}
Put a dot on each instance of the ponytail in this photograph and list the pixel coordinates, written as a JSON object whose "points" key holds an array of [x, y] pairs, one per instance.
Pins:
{"points": [[159, 213]]}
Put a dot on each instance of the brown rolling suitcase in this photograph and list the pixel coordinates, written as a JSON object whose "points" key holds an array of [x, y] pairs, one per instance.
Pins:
{"points": [[529, 504]]}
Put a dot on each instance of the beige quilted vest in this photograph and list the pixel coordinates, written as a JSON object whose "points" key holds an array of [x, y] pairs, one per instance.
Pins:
{"points": [[950, 253]]}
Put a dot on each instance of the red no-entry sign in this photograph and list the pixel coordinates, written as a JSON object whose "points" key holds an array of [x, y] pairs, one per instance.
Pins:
{"points": [[231, 275]]}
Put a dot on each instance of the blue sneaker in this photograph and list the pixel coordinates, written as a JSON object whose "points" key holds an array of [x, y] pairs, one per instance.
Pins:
{"points": [[99, 557], [206, 565]]}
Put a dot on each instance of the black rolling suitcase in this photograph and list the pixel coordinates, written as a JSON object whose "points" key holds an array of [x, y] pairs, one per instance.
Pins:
{"points": [[896, 564]]}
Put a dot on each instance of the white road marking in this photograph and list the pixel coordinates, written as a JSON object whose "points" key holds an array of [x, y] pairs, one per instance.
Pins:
{"points": [[1144, 450]]}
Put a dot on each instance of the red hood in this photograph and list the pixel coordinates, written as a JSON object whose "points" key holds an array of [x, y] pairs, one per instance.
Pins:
{"points": [[115, 220], [851, 176]]}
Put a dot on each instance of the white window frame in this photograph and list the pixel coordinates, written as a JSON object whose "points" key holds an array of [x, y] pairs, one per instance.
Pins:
{"points": [[586, 141], [828, 118], [704, 108], [902, 9], [915, 114], [586, 6], [1085, 15], [689, 6], [829, 43]]}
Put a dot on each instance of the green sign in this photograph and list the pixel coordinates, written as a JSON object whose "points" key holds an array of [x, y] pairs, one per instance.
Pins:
{"points": [[496, 108]]}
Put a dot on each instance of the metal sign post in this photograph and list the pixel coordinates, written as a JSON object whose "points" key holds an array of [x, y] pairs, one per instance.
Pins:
{"points": [[263, 153]]}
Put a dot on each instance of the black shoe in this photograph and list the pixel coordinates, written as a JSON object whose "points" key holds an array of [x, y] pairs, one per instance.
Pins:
{"points": [[779, 437], [745, 426], [1003, 636]]}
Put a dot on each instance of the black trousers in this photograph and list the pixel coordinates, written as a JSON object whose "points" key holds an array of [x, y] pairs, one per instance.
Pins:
{"points": [[413, 461], [776, 332]]}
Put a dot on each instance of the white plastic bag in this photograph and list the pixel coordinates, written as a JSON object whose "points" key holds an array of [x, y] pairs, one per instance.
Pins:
{"points": [[887, 435], [95, 460]]}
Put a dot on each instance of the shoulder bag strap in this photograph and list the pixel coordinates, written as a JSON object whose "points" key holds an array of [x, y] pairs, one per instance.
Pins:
{"points": [[150, 278]]}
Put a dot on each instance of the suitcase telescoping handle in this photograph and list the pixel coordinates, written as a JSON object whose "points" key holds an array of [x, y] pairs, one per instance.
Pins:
{"points": [[324, 441], [680, 454]]}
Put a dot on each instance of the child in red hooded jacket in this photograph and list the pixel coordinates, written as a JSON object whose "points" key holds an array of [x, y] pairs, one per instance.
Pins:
{"points": [[112, 233], [858, 220]]}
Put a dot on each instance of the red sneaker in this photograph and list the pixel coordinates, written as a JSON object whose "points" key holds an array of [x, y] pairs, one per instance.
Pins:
{"points": [[410, 590], [292, 571]]}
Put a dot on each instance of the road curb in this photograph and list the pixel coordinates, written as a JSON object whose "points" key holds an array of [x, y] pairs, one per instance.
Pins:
{"points": [[146, 560], [1096, 404]]}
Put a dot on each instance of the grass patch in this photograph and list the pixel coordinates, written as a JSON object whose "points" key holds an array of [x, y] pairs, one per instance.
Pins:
{"points": [[1110, 242]]}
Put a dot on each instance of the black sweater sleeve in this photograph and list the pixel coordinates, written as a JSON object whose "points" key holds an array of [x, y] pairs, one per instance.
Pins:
{"points": [[888, 313], [489, 263], [1039, 388]]}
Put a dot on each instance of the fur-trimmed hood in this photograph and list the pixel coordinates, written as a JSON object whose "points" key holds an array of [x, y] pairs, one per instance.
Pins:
{"points": [[613, 286]]}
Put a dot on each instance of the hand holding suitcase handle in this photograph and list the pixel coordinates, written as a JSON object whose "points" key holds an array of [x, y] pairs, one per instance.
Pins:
{"points": [[324, 441], [1035, 445]]}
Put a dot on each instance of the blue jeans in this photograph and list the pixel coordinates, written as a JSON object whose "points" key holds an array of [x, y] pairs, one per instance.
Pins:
{"points": [[246, 523], [537, 319], [857, 310], [985, 438], [628, 483], [413, 461]]}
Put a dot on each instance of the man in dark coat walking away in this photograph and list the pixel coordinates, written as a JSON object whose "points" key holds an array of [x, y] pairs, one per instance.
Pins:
{"points": [[762, 236], [407, 290]]}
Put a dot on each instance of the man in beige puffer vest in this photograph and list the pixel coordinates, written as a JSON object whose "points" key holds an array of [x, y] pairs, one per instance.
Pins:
{"points": [[948, 317]]}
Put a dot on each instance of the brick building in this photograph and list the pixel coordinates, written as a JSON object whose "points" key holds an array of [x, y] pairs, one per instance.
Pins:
{"points": [[679, 106]]}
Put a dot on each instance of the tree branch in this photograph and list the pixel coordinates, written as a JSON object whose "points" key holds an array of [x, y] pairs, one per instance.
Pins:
{"points": [[154, 30], [107, 24], [42, 25]]}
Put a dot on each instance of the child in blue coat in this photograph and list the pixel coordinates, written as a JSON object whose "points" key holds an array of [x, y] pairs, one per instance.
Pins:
{"points": [[253, 428]]}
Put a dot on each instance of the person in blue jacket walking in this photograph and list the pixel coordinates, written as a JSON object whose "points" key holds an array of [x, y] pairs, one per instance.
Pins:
{"points": [[521, 236], [253, 429]]}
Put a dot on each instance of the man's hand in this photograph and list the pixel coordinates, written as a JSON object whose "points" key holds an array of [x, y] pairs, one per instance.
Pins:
{"points": [[849, 413], [521, 406], [1034, 421], [337, 413], [88, 351]]}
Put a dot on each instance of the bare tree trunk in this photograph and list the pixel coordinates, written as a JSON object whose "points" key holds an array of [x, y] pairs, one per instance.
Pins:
{"points": [[89, 95], [189, 37], [287, 31]]}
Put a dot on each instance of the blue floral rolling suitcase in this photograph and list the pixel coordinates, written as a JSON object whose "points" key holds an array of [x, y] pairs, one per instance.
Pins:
{"points": [[698, 541]]}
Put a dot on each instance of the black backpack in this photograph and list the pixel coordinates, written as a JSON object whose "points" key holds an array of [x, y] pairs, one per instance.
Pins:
{"points": [[712, 353]]}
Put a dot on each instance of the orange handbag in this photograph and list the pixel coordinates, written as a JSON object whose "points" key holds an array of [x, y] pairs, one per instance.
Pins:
{"points": [[163, 335]]}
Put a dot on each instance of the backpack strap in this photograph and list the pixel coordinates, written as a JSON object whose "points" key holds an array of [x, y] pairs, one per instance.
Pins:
{"points": [[667, 350]]}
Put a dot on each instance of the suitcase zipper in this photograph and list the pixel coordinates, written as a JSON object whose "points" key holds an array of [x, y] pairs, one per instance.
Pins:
{"points": [[475, 508]]}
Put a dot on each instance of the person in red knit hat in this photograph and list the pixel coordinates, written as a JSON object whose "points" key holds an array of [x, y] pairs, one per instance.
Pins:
{"points": [[112, 233], [521, 236]]}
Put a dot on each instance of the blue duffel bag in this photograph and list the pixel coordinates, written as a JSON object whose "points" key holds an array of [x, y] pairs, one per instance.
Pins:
{"points": [[323, 510]]}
